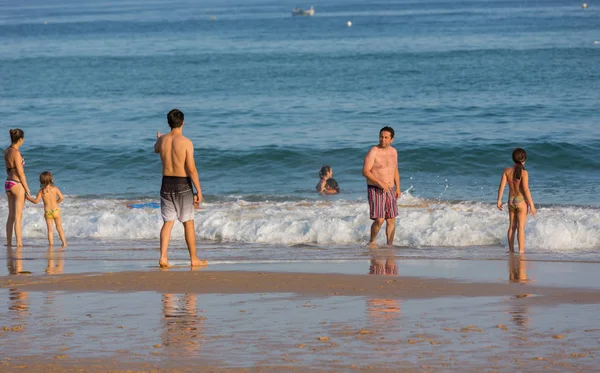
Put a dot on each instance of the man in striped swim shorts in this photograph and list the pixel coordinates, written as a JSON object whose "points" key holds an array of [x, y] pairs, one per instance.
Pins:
{"points": [[380, 168], [180, 177]]}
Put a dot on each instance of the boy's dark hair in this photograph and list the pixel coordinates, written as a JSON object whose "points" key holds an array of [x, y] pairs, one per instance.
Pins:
{"points": [[332, 184], [387, 129], [175, 118]]}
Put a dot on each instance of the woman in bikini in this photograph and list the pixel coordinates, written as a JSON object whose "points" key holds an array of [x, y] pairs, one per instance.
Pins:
{"points": [[15, 186], [519, 199]]}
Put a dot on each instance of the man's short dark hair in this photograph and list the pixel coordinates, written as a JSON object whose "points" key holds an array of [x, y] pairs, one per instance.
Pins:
{"points": [[175, 118], [387, 129]]}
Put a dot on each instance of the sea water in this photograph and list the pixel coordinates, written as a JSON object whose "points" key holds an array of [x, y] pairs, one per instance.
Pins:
{"points": [[269, 98]]}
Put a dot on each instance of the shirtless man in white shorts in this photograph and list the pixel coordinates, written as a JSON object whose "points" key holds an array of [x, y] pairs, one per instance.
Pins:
{"points": [[177, 199]]}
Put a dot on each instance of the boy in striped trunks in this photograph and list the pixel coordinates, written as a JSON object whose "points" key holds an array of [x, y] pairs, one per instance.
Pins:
{"points": [[380, 168], [180, 177]]}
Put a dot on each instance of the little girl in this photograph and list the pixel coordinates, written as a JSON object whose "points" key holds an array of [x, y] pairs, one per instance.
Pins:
{"points": [[325, 174], [51, 196], [519, 199]]}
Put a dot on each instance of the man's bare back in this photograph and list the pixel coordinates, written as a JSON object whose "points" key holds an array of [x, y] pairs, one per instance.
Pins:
{"points": [[173, 148]]}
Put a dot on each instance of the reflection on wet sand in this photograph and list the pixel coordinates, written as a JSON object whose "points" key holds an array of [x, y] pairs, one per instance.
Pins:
{"points": [[383, 310], [182, 324], [19, 300], [517, 269], [517, 274], [56, 261]]}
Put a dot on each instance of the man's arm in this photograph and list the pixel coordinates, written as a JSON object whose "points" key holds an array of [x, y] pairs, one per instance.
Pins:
{"points": [[157, 143], [397, 182], [368, 166], [192, 172]]}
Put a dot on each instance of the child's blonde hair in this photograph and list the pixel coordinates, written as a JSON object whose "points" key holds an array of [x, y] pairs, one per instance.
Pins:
{"points": [[46, 179]]}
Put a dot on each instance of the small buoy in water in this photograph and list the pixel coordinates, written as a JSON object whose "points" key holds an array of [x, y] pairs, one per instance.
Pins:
{"points": [[45, 22], [584, 5], [596, 42], [212, 18], [349, 24]]}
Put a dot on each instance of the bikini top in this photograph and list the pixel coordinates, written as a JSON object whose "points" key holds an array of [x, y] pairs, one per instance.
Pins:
{"points": [[514, 181], [12, 168]]}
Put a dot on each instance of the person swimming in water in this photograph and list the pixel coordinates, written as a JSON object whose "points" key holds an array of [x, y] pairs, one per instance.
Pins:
{"points": [[325, 173], [520, 202], [332, 186]]}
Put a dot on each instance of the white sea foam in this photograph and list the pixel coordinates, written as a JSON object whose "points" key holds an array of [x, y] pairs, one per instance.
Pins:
{"points": [[420, 223]]}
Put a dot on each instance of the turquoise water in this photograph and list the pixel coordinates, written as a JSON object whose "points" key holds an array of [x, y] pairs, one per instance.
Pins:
{"points": [[270, 98]]}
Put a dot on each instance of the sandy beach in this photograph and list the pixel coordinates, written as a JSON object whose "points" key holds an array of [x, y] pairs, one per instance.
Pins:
{"points": [[269, 321]]}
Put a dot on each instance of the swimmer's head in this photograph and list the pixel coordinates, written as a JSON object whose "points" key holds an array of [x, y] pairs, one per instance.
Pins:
{"points": [[46, 179], [324, 171], [175, 118], [332, 184]]}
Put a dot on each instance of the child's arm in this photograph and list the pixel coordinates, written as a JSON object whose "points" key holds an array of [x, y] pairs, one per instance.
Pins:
{"points": [[60, 196], [501, 190], [525, 184], [36, 199]]}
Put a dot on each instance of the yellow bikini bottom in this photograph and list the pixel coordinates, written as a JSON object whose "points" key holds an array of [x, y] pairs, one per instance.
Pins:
{"points": [[52, 214]]}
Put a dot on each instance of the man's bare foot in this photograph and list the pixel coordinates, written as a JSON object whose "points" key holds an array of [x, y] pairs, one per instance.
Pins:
{"points": [[64, 245], [163, 263], [199, 263], [372, 245]]}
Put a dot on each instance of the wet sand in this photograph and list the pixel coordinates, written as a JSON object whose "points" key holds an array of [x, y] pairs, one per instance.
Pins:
{"points": [[265, 321]]}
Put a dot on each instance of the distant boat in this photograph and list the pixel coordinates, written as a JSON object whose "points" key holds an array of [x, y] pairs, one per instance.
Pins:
{"points": [[301, 12]]}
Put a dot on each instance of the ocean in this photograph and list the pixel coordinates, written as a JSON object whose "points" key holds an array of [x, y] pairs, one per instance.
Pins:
{"points": [[269, 98]]}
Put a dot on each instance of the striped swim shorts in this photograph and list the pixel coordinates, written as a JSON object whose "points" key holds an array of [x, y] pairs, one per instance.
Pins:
{"points": [[382, 204], [176, 199]]}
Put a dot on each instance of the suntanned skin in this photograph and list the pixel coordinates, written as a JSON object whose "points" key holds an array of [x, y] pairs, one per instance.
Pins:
{"points": [[13, 161], [380, 168], [51, 197], [177, 156], [517, 218]]}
